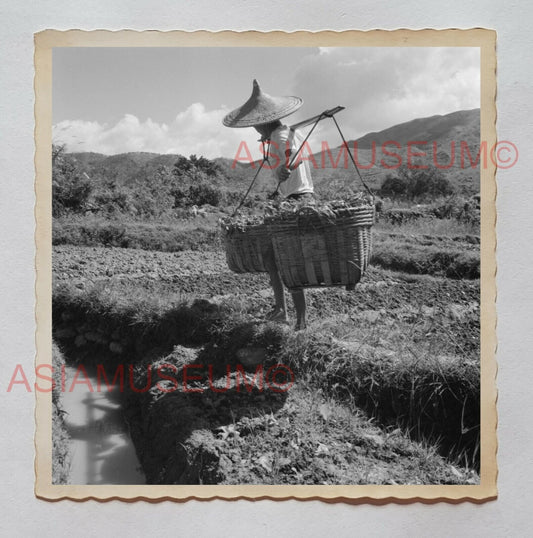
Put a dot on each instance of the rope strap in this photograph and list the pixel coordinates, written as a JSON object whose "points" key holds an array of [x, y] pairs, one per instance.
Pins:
{"points": [[265, 158], [352, 158], [326, 114]]}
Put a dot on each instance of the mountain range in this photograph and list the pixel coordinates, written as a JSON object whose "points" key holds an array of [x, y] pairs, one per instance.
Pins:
{"points": [[451, 139]]}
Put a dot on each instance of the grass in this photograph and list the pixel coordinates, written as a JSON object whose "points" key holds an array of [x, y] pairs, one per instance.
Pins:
{"points": [[141, 321], [299, 436], [442, 247], [404, 379], [433, 257], [430, 396], [316, 440], [431, 226], [163, 236]]}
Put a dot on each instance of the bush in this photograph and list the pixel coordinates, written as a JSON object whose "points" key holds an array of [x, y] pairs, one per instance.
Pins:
{"points": [[210, 168], [71, 189], [153, 196], [194, 182], [416, 184], [112, 199], [203, 194], [148, 194], [393, 186]]}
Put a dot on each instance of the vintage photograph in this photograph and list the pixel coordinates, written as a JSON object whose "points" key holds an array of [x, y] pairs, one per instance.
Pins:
{"points": [[267, 265]]}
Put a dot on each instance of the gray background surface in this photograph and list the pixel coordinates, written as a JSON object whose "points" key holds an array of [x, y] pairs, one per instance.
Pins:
{"points": [[22, 513]]}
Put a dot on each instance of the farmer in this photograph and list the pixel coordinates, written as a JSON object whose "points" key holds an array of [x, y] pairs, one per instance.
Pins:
{"points": [[263, 112]]}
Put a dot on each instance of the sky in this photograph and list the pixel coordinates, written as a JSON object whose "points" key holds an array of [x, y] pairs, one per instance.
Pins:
{"points": [[172, 100]]}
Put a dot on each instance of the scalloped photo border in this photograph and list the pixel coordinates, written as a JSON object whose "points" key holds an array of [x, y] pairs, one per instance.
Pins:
{"points": [[45, 41]]}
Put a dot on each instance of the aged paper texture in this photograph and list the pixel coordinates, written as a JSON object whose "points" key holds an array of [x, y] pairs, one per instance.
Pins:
{"points": [[132, 288]]}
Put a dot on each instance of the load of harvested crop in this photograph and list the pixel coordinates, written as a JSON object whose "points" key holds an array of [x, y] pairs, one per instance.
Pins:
{"points": [[325, 244], [284, 208]]}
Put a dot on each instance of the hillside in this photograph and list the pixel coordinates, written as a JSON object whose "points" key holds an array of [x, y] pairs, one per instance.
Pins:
{"points": [[426, 129], [443, 136], [124, 168], [445, 133]]}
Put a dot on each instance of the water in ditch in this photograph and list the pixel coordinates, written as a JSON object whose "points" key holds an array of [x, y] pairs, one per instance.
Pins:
{"points": [[101, 448]]}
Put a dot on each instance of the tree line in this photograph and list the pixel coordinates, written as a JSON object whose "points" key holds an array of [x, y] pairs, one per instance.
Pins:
{"points": [[193, 181]]}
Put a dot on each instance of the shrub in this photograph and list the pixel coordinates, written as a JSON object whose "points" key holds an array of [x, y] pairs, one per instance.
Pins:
{"points": [[416, 184], [210, 168], [193, 182], [71, 189], [203, 194], [112, 199], [393, 186]]}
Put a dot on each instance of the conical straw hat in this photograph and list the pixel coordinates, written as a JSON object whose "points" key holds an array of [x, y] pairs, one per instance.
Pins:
{"points": [[261, 108]]}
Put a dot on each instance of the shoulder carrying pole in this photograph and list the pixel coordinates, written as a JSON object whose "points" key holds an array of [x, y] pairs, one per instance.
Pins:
{"points": [[314, 120]]}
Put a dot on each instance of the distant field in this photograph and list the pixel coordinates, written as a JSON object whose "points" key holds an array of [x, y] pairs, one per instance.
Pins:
{"points": [[431, 246]]}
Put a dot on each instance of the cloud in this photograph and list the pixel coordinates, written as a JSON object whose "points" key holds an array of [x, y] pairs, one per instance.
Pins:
{"points": [[381, 87], [193, 131]]}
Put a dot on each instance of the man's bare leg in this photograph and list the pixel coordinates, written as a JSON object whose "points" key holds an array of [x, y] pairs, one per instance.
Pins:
{"points": [[280, 306], [298, 297]]}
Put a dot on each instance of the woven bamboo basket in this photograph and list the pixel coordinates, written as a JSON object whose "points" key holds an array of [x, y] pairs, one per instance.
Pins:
{"points": [[316, 248], [245, 246]]}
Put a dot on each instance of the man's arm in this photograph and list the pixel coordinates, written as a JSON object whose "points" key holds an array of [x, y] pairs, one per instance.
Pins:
{"points": [[284, 153]]}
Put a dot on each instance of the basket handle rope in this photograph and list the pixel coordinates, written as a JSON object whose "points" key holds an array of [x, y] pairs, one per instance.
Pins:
{"points": [[345, 144], [325, 114], [328, 114], [265, 158]]}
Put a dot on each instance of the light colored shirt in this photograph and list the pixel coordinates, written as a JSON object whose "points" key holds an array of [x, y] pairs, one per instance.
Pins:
{"points": [[299, 181]]}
